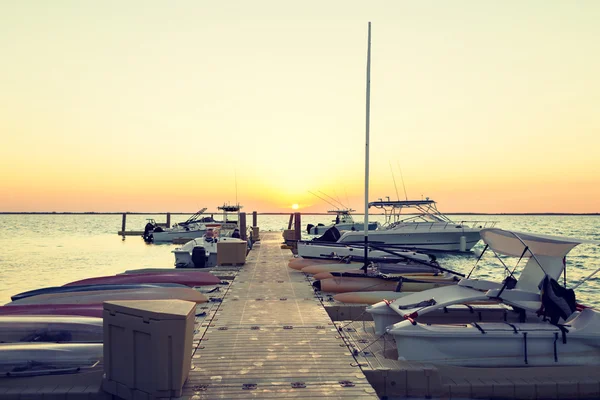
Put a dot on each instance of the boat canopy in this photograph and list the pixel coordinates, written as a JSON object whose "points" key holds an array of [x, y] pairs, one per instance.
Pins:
{"points": [[513, 243]]}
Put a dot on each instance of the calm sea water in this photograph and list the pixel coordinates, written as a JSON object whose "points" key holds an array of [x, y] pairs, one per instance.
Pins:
{"points": [[51, 250]]}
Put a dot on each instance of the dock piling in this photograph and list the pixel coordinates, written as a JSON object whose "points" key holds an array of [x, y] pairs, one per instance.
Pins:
{"points": [[254, 218], [124, 222], [297, 226], [168, 219], [243, 233]]}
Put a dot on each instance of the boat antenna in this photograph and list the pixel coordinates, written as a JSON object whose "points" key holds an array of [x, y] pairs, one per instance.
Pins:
{"points": [[337, 201], [367, 122], [328, 202], [236, 189], [394, 179], [402, 177], [347, 199]]}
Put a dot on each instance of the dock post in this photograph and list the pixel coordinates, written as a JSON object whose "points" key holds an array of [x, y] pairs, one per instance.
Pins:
{"points": [[254, 218], [124, 223], [243, 233], [168, 220], [297, 226], [290, 222]]}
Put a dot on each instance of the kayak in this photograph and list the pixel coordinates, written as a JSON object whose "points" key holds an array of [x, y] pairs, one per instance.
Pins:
{"points": [[87, 310], [164, 270], [50, 328], [100, 296], [398, 268], [85, 288], [189, 279], [22, 359], [368, 297], [300, 263], [346, 283], [326, 275]]}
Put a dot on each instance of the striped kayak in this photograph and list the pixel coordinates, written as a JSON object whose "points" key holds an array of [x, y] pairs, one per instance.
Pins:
{"points": [[100, 296], [85, 288], [189, 279], [50, 328]]}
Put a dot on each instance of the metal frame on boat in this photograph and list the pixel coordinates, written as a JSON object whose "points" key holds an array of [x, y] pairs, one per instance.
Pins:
{"points": [[575, 340]]}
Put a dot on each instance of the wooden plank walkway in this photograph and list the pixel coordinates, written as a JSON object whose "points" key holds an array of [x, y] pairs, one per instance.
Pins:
{"points": [[269, 337]]}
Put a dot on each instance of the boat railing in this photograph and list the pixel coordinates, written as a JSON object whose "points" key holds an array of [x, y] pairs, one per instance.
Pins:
{"points": [[444, 225]]}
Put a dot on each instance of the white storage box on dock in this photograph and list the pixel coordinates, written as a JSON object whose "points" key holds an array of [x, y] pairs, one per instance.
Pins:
{"points": [[147, 347], [231, 253]]}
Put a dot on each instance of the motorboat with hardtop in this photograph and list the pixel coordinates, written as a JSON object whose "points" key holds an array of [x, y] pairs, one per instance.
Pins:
{"points": [[427, 230]]}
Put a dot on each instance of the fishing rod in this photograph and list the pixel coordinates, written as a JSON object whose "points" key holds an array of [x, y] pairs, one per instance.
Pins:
{"points": [[328, 202], [417, 260], [394, 179], [402, 177], [337, 201]]}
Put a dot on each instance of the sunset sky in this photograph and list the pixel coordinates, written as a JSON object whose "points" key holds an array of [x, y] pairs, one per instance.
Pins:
{"points": [[159, 106]]}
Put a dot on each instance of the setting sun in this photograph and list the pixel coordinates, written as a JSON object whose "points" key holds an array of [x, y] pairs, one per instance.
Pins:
{"points": [[295, 206]]}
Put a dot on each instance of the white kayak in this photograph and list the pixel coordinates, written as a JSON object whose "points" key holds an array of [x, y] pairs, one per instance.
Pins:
{"points": [[24, 359], [100, 296], [50, 328]]}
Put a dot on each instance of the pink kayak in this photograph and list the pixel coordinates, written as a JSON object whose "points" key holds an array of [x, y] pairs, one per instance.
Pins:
{"points": [[86, 310], [189, 279]]}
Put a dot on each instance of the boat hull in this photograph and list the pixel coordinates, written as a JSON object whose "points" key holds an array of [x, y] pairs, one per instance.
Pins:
{"points": [[355, 284], [327, 250], [499, 344], [444, 240], [358, 226]]}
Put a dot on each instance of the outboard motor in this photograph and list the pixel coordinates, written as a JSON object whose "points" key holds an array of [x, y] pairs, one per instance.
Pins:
{"points": [[148, 229], [331, 235], [199, 257], [308, 228]]}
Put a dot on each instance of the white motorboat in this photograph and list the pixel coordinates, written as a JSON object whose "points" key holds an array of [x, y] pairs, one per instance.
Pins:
{"points": [[201, 252], [429, 229], [564, 336], [319, 249], [343, 222], [195, 226]]}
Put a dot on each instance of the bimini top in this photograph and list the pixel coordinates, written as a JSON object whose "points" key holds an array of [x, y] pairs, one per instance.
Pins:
{"points": [[513, 243]]}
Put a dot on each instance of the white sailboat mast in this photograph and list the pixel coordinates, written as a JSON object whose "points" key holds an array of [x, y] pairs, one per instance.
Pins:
{"points": [[368, 111]]}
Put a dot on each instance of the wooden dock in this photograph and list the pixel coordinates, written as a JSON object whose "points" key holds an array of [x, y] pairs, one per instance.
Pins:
{"points": [[271, 338]]}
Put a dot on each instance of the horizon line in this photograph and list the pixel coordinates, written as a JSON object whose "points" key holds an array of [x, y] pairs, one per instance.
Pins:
{"points": [[267, 213]]}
